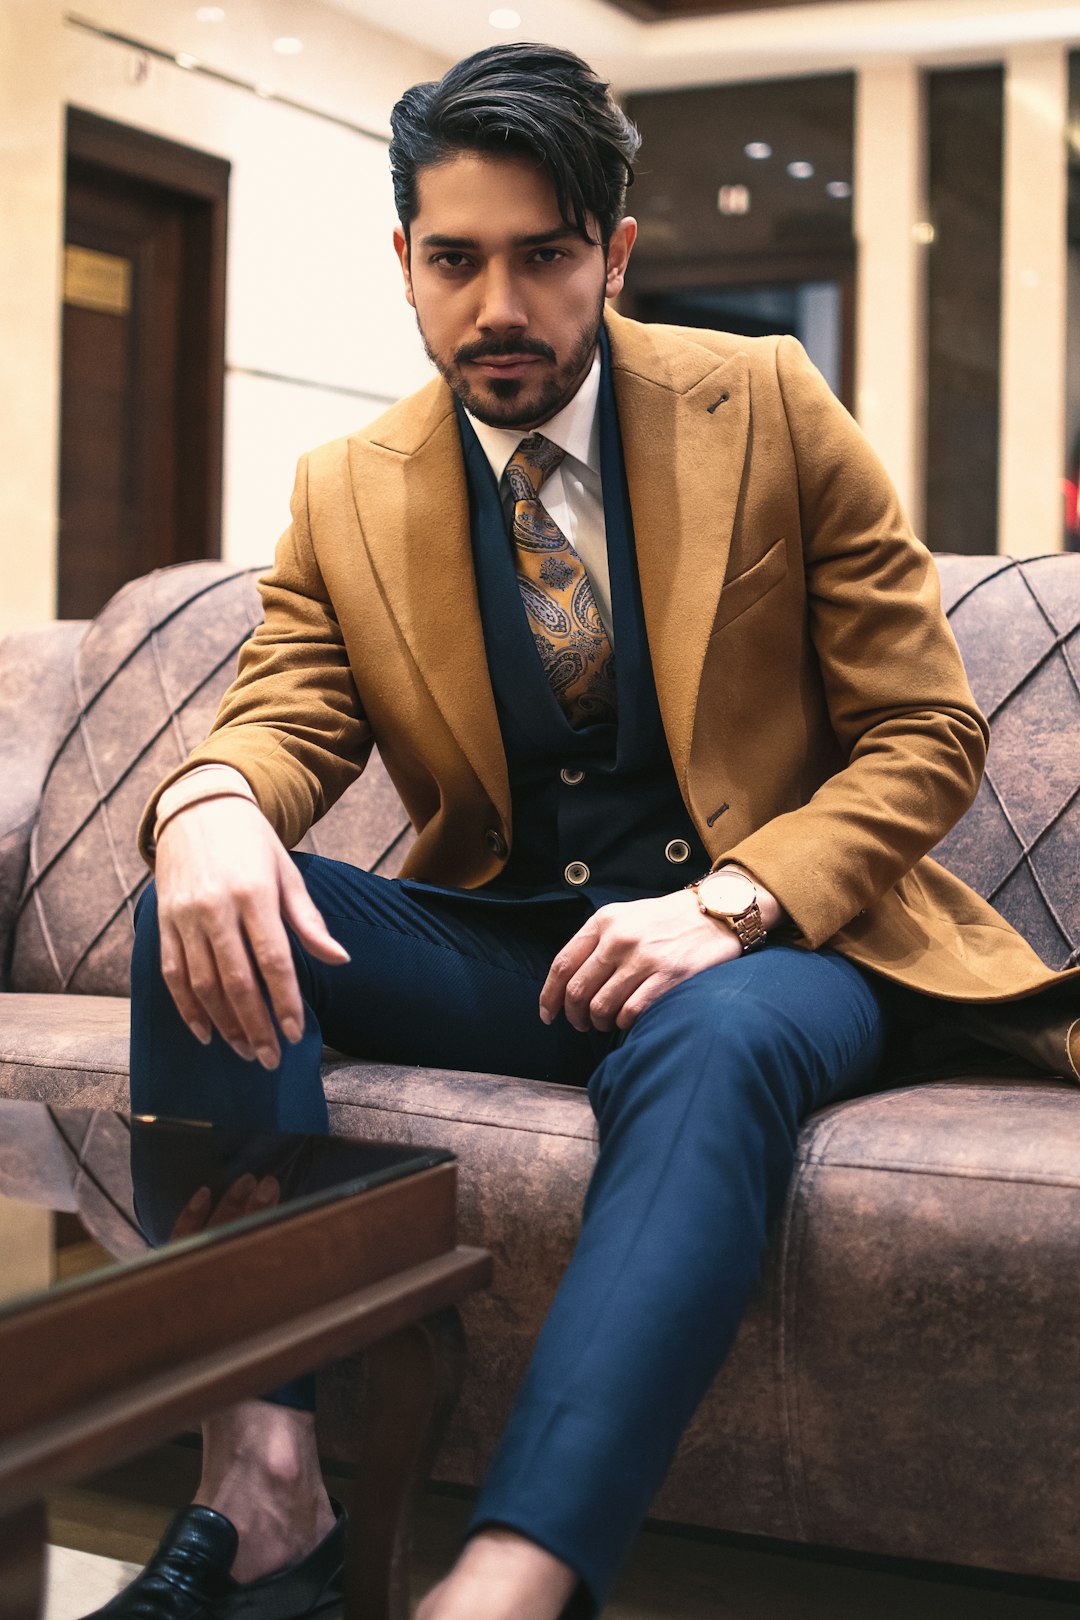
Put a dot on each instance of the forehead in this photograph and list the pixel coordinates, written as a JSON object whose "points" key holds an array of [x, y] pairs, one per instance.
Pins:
{"points": [[472, 194]]}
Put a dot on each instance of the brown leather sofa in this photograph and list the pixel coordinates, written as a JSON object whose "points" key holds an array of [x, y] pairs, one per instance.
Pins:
{"points": [[908, 1380]]}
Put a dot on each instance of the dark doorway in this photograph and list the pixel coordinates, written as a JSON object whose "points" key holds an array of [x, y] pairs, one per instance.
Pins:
{"points": [[143, 359], [744, 203], [818, 309]]}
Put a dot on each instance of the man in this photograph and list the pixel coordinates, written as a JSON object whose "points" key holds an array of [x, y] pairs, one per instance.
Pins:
{"points": [[622, 607]]}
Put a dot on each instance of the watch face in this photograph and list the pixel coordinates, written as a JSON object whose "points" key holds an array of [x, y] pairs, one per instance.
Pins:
{"points": [[728, 892]]}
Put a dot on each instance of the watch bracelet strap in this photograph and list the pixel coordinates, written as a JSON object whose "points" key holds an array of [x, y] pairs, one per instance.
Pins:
{"points": [[749, 929]]}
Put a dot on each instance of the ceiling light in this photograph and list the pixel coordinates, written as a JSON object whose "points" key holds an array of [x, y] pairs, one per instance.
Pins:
{"points": [[288, 45], [733, 199], [210, 14], [758, 149], [504, 18], [800, 170], [838, 188], [183, 60]]}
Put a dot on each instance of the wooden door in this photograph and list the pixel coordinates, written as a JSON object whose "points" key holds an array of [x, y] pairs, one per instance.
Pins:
{"points": [[143, 360]]}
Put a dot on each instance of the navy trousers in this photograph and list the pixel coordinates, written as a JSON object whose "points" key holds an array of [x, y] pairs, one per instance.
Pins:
{"points": [[698, 1109]]}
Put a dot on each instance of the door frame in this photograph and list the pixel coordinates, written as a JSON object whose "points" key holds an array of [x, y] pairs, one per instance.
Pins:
{"points": [[134, 154]]}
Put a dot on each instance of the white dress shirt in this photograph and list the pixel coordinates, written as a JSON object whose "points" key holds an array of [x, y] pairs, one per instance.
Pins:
{"points": [[572, 495]]}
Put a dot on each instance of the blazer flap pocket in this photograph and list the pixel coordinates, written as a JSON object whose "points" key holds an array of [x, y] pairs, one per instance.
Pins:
{"points": [[753, 583]]}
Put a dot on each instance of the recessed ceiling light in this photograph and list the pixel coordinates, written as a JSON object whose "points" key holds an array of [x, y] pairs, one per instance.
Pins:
{"points": [[288, 45], [210, 14], [838, 188], [800, 170], [503, 17], [183, 60], [758, 149]]}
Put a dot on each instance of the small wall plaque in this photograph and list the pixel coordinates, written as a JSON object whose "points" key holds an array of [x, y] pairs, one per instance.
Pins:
{"points": [[100, 281]]}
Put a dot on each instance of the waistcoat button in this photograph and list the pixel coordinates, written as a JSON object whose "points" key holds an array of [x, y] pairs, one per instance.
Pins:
{"points": [[495, 841], [571, 777], [678, 851], [577, 873]]}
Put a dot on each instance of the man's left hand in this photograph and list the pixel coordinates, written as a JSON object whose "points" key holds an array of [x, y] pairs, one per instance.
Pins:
{"points": [[628, 954]]}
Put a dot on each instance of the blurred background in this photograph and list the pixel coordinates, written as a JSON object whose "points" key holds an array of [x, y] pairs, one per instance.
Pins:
{"points": [[197, 282]]}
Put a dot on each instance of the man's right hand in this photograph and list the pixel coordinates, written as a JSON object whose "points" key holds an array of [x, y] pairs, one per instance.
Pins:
{"points": [[226, 887]]}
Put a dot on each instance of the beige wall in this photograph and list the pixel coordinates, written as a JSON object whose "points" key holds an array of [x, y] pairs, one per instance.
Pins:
{"points": [[318, 337], [31, 206]]}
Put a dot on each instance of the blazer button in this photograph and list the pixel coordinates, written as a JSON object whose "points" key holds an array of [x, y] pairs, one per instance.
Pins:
{"points": [[678, 851], [495, 841], [571, 777], [577, 873]]}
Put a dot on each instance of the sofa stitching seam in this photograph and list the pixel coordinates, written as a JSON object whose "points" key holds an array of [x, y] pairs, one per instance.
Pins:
{"points": [[461, 1119]]}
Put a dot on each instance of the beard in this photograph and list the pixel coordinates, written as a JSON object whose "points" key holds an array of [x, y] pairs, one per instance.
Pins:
{"points": [[513, 402]]}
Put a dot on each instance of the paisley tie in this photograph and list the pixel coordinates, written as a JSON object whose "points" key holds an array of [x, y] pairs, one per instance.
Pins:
{"points": [[567, 628]]}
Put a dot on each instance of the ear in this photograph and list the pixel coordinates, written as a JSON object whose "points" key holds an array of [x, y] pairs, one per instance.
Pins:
{"points": [[401, 248], [622, 240]]}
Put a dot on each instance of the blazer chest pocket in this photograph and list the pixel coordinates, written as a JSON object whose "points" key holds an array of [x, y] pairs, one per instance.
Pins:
{"points": [[751, 585]]}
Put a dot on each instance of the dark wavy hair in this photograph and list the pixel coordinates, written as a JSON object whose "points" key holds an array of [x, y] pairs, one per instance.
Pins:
{"points": [[524, 100]]}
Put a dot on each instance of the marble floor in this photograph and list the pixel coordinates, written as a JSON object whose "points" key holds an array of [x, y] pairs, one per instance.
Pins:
{"points": [[104, 1531]]}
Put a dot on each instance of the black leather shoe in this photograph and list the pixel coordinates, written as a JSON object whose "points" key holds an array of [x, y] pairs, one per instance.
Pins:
{"points": [[188, 1578]]}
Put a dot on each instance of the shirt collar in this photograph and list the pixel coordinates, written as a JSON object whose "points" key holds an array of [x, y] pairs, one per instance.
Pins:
{"points": [[575, 429]]}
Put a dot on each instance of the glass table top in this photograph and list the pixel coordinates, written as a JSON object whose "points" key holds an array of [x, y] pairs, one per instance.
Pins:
{"points": [[85, 1190]]}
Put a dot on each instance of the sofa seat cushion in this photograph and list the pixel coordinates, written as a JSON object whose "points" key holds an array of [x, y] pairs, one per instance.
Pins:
{"points": [[905, 1382], [69, 1050]]}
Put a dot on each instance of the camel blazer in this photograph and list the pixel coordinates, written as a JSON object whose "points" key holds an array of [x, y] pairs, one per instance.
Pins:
{"points": [[815, 705]]}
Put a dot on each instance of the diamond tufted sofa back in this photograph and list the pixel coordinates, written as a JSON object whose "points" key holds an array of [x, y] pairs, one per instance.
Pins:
{"points": [[150, 670], [1018, 626], [146, 681]]}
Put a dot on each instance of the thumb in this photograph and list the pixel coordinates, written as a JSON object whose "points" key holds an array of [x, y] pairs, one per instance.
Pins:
{"points": [[305, 918]]}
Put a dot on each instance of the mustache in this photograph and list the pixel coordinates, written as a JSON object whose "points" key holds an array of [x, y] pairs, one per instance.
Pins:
{"points": [[499, 348]]}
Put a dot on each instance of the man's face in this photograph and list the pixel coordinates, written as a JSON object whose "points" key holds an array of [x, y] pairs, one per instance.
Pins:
{"points": [[508, 298]]}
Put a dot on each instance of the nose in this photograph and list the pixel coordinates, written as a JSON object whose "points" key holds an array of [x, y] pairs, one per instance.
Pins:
{"points": [[501, 307]]}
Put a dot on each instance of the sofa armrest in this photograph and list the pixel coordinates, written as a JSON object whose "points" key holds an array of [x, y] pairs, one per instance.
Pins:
{"points": [[36, 703]]}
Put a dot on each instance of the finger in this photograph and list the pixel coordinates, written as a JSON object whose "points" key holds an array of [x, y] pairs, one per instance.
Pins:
{"points": [[274, 959], [207, 986], [246, 1197], [576, 951], [267, 1193], [234, 1202], [305, 918], [175, 971], [611, 998], [643, 997], [245, 998], [587, 983], [192, 1218]]}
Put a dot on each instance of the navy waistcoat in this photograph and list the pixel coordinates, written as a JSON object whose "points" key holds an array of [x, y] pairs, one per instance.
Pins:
{"points": [[603, 797]]}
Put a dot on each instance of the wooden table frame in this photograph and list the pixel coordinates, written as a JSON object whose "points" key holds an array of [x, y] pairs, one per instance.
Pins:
{"points": [[365, 1286]]}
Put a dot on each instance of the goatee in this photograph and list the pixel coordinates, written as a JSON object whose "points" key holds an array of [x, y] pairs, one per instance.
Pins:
{"points": [[515, 402]]}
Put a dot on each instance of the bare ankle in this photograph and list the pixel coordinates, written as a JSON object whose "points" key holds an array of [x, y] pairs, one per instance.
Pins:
{"points": [[501, 1575], [261, 1470]]}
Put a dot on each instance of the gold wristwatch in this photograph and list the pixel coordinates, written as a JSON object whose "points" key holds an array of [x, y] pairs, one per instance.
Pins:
{"points": [[732, 898]]}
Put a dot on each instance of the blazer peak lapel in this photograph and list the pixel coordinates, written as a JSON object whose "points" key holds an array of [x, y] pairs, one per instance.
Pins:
{"points": [[411, 494], [685, 437]]}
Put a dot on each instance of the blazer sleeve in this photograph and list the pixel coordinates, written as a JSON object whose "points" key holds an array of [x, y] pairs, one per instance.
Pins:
{"points": [[291, 722], [897, 694]]}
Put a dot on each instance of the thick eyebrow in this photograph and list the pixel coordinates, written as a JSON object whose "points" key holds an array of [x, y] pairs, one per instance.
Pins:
{"points": [[460, 243]]}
